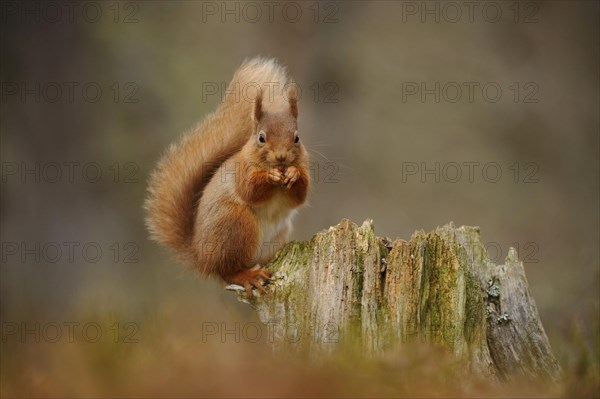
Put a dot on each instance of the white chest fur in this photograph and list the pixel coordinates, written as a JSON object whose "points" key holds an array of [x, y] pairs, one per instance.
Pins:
{"points": [[274, 217]]}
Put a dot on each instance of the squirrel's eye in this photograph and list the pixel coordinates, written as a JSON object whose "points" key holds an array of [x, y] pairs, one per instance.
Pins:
{"points": [[297, 139], [262, 138]]}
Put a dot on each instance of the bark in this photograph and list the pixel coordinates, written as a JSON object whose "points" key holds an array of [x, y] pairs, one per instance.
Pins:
{"points": [[346, 287]]}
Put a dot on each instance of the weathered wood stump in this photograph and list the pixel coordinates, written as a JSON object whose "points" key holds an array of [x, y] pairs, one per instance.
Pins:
{"points": [[346, 286]]}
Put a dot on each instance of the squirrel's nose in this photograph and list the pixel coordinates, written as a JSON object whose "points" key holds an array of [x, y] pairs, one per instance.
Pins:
{"points": [[280, 157]]}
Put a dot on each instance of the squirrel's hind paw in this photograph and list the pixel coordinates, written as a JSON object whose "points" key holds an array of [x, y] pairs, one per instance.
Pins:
{"points": [[250, 279]]}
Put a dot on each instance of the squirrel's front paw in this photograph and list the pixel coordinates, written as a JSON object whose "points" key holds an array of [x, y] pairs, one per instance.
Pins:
{"points": [[292, 174], [275, 176]]}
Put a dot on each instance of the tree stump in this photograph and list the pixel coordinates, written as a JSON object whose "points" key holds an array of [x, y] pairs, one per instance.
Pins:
{"points": [[348, 287]]}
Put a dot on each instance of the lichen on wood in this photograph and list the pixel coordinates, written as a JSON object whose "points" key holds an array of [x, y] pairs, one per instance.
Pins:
{"points": [[346, 287]]}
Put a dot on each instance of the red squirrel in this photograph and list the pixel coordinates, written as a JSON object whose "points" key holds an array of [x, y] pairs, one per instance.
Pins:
{"points": [[231, 186]]}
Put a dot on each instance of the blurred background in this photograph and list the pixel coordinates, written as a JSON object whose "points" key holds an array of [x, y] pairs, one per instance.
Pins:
{"points": [[415, 113]]}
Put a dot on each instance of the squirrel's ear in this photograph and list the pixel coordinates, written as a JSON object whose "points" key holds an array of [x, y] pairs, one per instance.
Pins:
{"points": [[257, 107], [292, 95]]}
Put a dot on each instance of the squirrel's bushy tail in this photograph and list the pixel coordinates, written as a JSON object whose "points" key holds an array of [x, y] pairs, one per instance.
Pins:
{"points": [[176, 184]]}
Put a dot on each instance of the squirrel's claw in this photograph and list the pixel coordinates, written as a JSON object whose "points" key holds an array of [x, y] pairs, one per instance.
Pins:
{"points": [[264, 274]]}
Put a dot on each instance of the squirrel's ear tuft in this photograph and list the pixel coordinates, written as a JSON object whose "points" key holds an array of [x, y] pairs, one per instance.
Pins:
{"points": [[292, 95], [257, 107]]}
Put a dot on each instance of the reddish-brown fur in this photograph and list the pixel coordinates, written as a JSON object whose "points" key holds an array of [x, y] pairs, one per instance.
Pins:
{"points": [[221, 194]]}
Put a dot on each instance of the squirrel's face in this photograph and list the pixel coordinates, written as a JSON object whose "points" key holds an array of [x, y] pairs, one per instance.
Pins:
{"points": [[277, 141]]}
